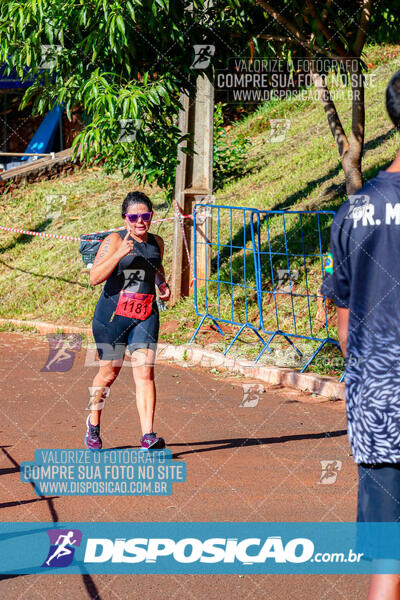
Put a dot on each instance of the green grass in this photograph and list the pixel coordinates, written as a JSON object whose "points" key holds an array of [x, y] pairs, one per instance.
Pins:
{"points": [[46, 279], [20, 328]]}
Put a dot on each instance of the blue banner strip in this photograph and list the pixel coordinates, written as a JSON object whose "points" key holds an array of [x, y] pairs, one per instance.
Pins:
{"points": [[207, 548]]}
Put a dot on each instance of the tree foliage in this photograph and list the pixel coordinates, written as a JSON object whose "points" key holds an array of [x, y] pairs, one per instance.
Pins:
{"points": [[124, 63]]}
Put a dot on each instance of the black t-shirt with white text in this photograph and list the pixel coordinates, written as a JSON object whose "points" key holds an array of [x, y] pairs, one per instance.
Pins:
{"points": [[364, 276]]}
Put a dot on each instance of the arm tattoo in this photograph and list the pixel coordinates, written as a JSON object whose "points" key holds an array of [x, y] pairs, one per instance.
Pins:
{"points": [[103, 251]]}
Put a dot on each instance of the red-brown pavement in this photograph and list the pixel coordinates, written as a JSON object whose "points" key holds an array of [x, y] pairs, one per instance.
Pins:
{"points": [[244, 463]]}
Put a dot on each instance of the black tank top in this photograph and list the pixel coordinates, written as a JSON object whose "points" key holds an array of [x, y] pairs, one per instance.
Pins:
{"points": [[136, 271]]}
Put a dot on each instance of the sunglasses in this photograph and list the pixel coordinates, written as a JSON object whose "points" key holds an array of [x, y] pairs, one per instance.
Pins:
{"points": [[133, 218]]}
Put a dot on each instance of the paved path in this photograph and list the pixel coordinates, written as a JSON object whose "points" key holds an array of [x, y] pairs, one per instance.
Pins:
{"points": [[259, 463]]}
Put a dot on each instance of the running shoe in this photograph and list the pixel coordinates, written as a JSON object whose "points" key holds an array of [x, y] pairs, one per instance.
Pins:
{"points": [[150, 441], [92, 437]]}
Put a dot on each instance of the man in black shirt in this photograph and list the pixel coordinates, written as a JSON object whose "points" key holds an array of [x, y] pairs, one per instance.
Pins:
{"points": [[362, 277]]}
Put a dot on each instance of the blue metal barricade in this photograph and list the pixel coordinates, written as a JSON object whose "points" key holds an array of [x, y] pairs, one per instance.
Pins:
{"points": [[229, 293], [289, 246], [266, 271]]}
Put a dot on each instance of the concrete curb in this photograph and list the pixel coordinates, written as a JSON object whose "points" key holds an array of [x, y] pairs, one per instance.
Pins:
{"points": [[190, 355], [44, 328], [194, 355]]}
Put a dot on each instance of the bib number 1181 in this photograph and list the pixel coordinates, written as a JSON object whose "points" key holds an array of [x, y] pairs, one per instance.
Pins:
{"points": [[134, 305]]}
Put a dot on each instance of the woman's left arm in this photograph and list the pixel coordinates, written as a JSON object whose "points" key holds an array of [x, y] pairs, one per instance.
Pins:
{"points": [[163, 286]]}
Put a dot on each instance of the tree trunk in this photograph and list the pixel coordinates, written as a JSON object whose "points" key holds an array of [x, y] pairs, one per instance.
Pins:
{"points": [[350, 152], [351, 160], [351, 163]]}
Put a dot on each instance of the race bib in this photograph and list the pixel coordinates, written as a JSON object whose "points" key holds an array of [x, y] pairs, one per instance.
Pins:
{"points": [[134, 305]]}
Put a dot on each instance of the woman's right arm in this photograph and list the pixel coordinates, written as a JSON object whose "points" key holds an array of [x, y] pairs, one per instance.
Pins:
{"points": [[111, 251]]}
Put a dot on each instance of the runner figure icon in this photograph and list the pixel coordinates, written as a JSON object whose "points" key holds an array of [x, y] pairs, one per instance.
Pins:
{"points": [[62, 350], [62, 549]]}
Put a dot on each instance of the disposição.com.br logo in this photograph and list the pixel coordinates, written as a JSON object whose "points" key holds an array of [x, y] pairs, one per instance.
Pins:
{"points": [[247, 551], [62, 547]]}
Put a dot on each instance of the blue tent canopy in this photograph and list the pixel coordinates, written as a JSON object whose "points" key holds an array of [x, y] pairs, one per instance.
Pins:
{"points": [[12, 81], [43, 140]]}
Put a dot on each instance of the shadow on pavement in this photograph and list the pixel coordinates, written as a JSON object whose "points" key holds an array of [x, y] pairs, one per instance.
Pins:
{"points": [[238, 442], [89, 584], [224, 444]]}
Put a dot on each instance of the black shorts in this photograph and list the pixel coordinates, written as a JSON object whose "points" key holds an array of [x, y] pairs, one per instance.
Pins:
{"points": [[379, 502], [114, 337]]}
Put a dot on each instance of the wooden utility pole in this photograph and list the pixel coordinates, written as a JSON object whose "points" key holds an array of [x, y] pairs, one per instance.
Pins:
{"points": [[193, 184]]}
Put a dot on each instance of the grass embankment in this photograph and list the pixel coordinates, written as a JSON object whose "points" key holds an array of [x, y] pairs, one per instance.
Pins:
{"points": [[45, 279]]}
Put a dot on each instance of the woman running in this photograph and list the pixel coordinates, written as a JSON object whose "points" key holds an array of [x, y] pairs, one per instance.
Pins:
{"points": [[126, 315]]}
